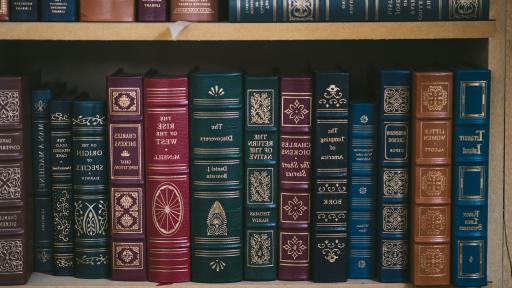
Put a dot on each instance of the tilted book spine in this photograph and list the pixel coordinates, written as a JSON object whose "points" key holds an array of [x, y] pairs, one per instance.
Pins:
{"points": [[261, 176], [409, 10], [167, 178], [295, 178], [465, 10], [152, 10], [59, 10], [431, 174], [362, 222], [43, 224], [90, 172], [330, 171], [23, 10], [216, 128], [126, 143], [61, 139], [470, 176], [4, 10], [393, 191]]}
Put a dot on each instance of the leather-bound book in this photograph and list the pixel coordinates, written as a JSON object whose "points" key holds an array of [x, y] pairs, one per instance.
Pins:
{"points": [[295, 177], [216, 134], [167, 178], [329, 248], [59, 10], [195, 10], [461, 10], [24, 10], [90, 185], [431, 174], [152, 10], [4, 10], [107, 10], [126, 146]]}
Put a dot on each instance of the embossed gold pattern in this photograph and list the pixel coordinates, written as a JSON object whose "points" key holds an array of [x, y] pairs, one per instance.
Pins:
{"points": [[260, 185], [435, 98], [260, 249], [433, 183], [11, 256], [9, 106], [294, 247], [331, 249], [10, 183], [432, 222], [296, 111], [432, 261], [167, 209], [396, 99], [295, 208], [261, 107], [395, 183], [394, 254], [217, 220]]}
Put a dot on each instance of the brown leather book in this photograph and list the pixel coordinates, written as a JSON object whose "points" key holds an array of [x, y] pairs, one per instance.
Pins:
{"points": [[431, 185], [4, 10], [195, 10], [107, 10]]}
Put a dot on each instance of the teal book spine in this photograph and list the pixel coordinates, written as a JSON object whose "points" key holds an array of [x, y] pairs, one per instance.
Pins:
{"points": [[90, 174], [216, 133]]}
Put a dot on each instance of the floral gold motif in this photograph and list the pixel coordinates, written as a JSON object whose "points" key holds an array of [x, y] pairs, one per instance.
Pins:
{"points": [[260, 185], [394, 253], [9, 106], [294, 247], [432, 223], [433, 183], [90, 121], [127, 255], [435, 98], [260, 106], [396, 100], [126, 210], [43, 257], [296, 111], [333, 97], [465, 9], [217, 265], [331, 249], [394, 219], [216, 91], [395, 183], [10, 183], [432, 261], [62, 210], [363, 119], [62, 262], [59, 117], [295, 208], [91, 218], [217, 221], [93, 260], [11, 256], [301, 10], [260, 245], [40, 106]]}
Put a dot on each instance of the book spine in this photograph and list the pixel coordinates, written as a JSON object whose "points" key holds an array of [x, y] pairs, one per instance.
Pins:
{"points": [[346, 11], [107, 10], [15, 171], [152, 10], [43, 224], [167, 179], [292, 11], [362, 188], [330, 166], [461, 10], [92, 255], [409, 10], [295, 178], [126, 146], [59, 10], [4, 10], [431, 171], [195, 10], [217, 176], [393, 191], [24, 10], [261, 177], [61, 140], [470, 177], [254, 10]]}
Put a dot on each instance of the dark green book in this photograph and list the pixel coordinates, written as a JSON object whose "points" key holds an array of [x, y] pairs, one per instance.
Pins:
{"points": [[216, 132]]}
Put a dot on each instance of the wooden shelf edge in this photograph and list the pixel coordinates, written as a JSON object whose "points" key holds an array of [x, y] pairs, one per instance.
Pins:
{"points": [[247, 31]]}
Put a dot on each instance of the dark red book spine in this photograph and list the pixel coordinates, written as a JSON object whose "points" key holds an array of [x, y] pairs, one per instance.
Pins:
{"points": [[152, 10], [167, 181], [295, 177], [4, 10]]}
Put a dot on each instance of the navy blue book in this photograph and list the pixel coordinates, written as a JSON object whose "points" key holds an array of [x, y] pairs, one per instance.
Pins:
{"points": [[409, 10], [470, 176], [347, 11], [24, 10], [394, 157], [59, 10], [465, 10], [362, 190]]}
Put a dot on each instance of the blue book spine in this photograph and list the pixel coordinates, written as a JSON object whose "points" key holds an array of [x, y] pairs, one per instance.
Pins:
{"points": [[465, 10], [347, 11], [470, 175], [24, 10], [408, 10], [362, 190], [394, 157], [300, 11], [59, 10], [254, 10]]}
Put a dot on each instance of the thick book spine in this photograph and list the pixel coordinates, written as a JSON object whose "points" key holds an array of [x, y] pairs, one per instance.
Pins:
{"points": [[126, 143], [23, 10], [295, 177], [362, 222], [254, 10], [465, 10], [393, 191], [43, 221], [4, 10], [90, 172], [195, 10], [59, 10], [152, 10], [15, 171], [470, 176], [61, 140], [409, 10], [107, 10], [216, 128], [330, 171], [261, 176], [431, 175], [167, 178]]}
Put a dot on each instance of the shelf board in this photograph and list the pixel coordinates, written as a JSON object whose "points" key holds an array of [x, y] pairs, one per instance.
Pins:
{"points": [[247, 31]]}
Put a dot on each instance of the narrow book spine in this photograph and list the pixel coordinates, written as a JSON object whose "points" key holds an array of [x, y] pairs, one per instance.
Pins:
{"points": [[409, 10], [362, 186], [254, 10], [292, 11], [90, 172], [330, 171], [4, 10], [393, 191], [295, 178], [24, 10], [261, 176], [465, 10], [195, 10], [126, 142], [167, 178], [59, 10], [61, 140], [470, 177], [43, 224], [217, 176], [347, 11], [107, 10], [431, 174], [152, 10]]}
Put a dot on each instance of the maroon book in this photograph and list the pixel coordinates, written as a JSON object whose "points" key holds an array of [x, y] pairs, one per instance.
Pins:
{"points": [[167, 181], [152, 10], [295, 177], [4, 10], [127, 176]]}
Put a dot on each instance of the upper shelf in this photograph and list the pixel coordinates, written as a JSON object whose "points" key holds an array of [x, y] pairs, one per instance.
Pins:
{"points": [[246, 31]]}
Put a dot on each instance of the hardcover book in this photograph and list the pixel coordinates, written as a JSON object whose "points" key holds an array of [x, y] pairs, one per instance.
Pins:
{"points": [[347, 11], [4, 10], [125, 116], [466, 10], [295, 177], [107, 10], [409, 10], [152, 10], [195, 10], [59, 10], [261, 176], [470, 176], [167, 178], [24, 10], [90, 172], [43, 221], [431, 174], [362, 222], [330, 169], [216, 127]]}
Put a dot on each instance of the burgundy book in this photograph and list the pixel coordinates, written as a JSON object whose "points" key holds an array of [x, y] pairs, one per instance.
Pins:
{"points": [[195, 10], [126, 176], [152, 10], [4, 10], [295, 177], [167, 178]]}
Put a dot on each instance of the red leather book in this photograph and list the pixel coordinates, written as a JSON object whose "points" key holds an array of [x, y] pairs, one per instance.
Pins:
{"points": [[4, 10], [167, 178], [126, 176], [295, 177]]}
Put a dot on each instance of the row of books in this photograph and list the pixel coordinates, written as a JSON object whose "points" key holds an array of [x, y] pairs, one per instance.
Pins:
{"points": [[258, 177], [242, 11]]}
